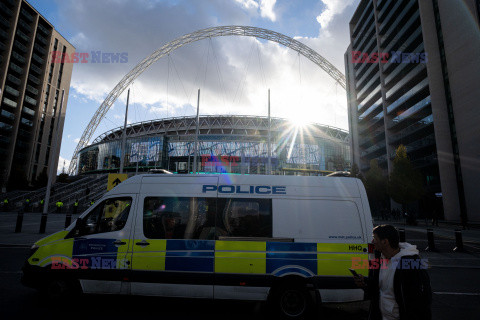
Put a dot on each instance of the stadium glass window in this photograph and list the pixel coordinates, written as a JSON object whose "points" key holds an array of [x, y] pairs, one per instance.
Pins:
{"points": [[179, 218], [244, 218], [108, 216]]}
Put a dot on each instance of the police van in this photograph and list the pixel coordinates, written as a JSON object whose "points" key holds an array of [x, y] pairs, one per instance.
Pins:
{"points": [[289, 240]]}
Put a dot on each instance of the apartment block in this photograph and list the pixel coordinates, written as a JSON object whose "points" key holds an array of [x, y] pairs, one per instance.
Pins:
{"points": [[31, 87], [413, 75]]}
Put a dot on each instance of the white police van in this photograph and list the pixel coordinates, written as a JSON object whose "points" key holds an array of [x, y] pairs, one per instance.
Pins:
{"points": [[289, 240]]}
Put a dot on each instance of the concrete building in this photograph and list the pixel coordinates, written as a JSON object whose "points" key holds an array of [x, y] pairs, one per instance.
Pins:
{"points": [[31, 87], [420, 89]]}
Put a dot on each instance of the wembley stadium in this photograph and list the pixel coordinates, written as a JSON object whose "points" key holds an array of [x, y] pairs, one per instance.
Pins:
{"points": [[226, 144]]}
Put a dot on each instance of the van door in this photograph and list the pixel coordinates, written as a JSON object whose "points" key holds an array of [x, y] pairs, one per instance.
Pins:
{"points": [[101, 242], [173, 244]]}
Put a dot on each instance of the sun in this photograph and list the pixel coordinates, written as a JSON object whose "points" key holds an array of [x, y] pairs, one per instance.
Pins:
{"points": [[299, 120]]}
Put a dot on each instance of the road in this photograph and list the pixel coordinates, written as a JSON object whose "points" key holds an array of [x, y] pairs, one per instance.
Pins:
{"points": [[456, 296]]}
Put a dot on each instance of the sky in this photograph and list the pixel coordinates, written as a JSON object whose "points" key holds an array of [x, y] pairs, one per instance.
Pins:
{"points": [[233, 74]]}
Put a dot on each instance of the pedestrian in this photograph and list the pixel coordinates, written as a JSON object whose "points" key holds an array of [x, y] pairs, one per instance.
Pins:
{"points": [[435, 218], [27, 204], [5, 204], [399, 288], [75, 206], [59, 205]]}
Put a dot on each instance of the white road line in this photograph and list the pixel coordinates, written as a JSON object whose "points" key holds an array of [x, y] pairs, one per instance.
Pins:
{"points": [[459, 293]]}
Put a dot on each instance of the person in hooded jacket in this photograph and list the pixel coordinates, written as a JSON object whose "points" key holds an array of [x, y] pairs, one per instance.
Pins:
{"points": [[400, 287]]}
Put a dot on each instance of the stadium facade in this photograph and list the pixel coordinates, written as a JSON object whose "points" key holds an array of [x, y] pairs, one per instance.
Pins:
{"points": [[226, 144]]}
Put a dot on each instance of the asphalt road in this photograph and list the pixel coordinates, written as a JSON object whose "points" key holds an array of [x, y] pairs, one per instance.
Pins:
{"points": [[456, 296]]}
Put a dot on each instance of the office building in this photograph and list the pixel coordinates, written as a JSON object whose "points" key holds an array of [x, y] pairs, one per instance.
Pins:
{"points": [[413, 75], [31, 88]]}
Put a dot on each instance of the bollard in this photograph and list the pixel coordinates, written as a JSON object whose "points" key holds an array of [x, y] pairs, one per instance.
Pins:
{"points": [[18, 226], [458, 241], [401, 232], [43, 223], [431, 241], [68, 219]]}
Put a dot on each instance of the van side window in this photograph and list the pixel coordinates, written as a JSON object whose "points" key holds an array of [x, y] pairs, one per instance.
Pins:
{"points": [[244, 218], [110, 215], [179, 218]]}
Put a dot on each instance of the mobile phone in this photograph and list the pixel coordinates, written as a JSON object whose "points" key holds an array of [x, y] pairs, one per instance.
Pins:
{"points": [[355, 274]]}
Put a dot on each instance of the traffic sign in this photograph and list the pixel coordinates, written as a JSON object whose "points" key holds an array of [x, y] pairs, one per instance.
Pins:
{"points": [[114, 179]]}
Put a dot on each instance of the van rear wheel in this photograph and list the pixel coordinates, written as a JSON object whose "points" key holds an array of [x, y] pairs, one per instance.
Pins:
{"points": [[291, 302]]}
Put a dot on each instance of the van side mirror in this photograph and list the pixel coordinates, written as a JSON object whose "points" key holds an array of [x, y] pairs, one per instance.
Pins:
{"points": [[77, 229]]}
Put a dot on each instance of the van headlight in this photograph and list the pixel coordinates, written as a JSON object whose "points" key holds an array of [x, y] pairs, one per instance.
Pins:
{"points": [[33, 249]]}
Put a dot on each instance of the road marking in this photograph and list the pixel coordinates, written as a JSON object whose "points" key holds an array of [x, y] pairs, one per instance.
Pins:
{"points": [[459, 293]]}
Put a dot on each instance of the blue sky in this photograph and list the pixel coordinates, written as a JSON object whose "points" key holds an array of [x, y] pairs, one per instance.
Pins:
{"points": [[233, 73]]}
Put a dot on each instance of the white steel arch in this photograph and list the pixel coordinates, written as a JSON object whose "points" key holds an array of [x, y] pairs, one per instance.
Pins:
{"points": [[189, 38]]}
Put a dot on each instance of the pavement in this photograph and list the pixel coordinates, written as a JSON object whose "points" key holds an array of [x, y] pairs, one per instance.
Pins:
{"points": [[30, 228]]}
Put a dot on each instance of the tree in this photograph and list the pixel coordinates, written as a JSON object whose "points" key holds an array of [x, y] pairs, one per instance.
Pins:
{"points": [[405, 184], [376, 185], [62, 177], [354, 171]]}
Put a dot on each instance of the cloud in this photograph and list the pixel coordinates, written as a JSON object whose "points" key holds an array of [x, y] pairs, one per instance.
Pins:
{"points": [[233, 73], [332, 8], [76, 140], [265, 7]]}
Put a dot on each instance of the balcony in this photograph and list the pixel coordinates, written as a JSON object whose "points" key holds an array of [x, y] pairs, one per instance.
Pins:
{"points": [[5, 9], [32, 90], [23, 36], [38, 48], [371, 125], [18, 57], [415, 76], [33, 79], [28, 111], [43, 29], [26, 27], [360, 83], [413, 114], [12, 91], [9, 102], [364, 30], [36, 69], [8, 115], [41, 39], [3, 34], [20, 46], [30, 100], [368, 9], [400, 20], [4, 22], [16, 68], [372, 111], [375, 150], [27, 15], [14, 79], [373, 84], [388, 12], [420, 87], [369, 100], [412, 131], [367, 35], [372, 137], [37, 58], [400, 68]]}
